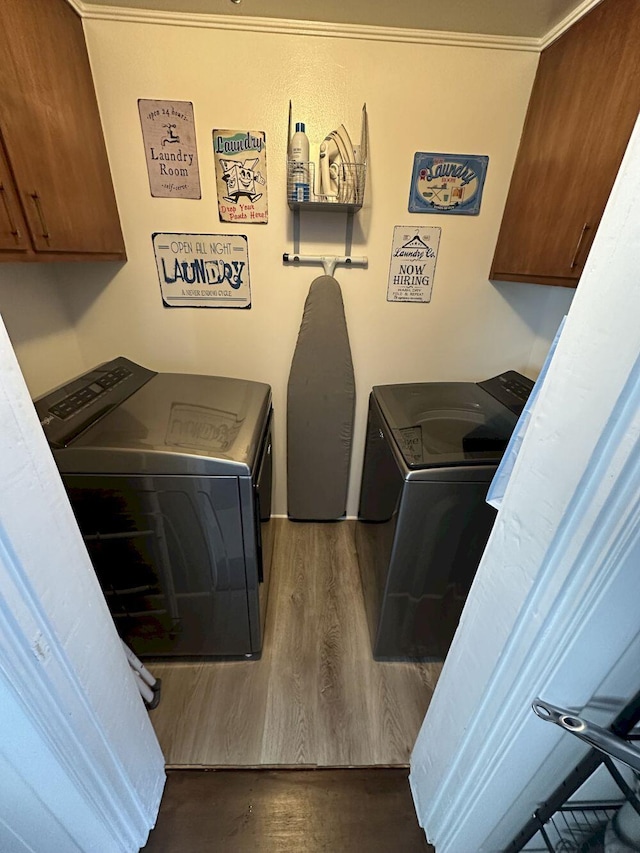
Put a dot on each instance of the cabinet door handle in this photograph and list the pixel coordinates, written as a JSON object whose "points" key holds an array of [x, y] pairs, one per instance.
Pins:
{"points": [[14, 228], [43, 224], [585, 228]]}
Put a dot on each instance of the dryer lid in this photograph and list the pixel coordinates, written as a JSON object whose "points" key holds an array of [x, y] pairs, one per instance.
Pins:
{"points": [[439, 424], [176, 424]]}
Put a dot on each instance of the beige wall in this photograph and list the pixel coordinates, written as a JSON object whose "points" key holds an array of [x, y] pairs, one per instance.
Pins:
{"points": [[34, 309], [419, 98]]}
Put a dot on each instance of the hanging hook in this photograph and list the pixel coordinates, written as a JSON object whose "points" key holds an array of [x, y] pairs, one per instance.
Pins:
{"points": [[328, 262]]}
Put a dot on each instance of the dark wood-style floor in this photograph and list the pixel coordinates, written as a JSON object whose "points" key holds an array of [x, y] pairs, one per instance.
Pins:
{"points": [[316, 698], [287, 811]]}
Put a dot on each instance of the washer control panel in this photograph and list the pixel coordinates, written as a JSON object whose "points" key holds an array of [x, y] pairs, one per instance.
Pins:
{"points": [[77, 400], [68, 410], [512, 389]]}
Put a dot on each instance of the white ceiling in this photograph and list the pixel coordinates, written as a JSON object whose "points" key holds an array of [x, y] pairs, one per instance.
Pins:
{"points": [[534, 19]]}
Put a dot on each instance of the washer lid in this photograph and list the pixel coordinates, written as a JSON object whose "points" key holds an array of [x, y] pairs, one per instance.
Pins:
{"points": [[445, 423], [176, 424]]}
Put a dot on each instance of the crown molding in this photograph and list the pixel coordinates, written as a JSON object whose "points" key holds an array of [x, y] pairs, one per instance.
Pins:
{"points": [[319, 29], [90, 11], [579, 12]]}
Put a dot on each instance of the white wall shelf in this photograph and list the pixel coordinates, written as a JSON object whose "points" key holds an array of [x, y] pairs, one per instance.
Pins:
{"points": [[349, 197]]}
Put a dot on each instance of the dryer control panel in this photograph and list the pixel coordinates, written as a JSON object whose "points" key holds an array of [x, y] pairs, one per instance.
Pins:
{"points": [[70, 409], [512, 389]]}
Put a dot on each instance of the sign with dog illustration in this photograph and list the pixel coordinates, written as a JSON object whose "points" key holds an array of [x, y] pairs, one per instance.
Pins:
{"points": [[169, 137], [447, 183], [241, 175]]}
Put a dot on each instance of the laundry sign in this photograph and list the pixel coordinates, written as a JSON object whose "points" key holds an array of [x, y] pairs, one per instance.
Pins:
{"points": [[203, 270], [169, 139], [447, 183], [241, 175], [413, 263]]}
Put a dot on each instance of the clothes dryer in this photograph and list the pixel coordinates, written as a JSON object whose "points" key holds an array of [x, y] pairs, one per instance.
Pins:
{"points": [[431, 452], [169, 476]]}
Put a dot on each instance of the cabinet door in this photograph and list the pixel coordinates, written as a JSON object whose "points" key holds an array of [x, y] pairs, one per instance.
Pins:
{"points": [[51, 127], [13, 234], [584, 103]]}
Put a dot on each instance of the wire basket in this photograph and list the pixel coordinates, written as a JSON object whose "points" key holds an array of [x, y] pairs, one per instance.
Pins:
{"points": [[581, 827], [349, 180], [578, 828]]}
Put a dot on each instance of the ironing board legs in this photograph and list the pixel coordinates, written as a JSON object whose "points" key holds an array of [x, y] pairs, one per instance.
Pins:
{"points": [[148, 686]]}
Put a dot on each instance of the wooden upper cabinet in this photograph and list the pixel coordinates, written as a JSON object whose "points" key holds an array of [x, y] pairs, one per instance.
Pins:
{"points": [[52, 134], [584, 103]]}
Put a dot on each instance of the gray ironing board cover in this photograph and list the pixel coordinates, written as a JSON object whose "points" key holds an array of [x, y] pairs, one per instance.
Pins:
{"points": [[320, 408]]}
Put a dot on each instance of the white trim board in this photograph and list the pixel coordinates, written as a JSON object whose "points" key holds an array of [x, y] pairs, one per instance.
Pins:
{"points": [[78, 743], [123, 14], [568, 22]]}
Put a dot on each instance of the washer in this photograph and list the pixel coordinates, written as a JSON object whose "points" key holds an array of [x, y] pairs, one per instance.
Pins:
{"points": [[431, 452], [169, 476]]}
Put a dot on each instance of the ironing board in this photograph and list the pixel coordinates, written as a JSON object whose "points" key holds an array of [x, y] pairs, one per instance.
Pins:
{"points": [[320, 408]]}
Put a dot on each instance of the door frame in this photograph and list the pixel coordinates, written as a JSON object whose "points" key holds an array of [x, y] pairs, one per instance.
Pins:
{"points": [[553, 611], [77, 742]]}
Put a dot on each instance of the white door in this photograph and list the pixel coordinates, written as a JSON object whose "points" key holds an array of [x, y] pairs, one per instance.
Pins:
{"points": [[555, 608], [80, 767]]}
